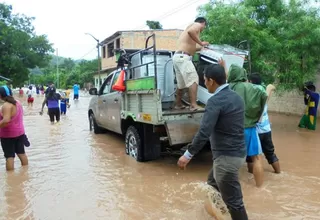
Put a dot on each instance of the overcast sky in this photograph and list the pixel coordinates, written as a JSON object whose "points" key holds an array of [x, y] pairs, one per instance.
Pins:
{"points": [[65, 22]]}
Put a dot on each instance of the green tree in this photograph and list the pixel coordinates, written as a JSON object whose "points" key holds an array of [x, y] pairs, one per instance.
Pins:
{"points": [[283, 37], [20, 48], [153, 25], [70, 72]]}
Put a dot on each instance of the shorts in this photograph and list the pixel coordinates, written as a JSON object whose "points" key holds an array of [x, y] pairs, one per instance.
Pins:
{"points": [[75, 96], [30, 99], [13, 146], [252, 142], [267, 148], [186, 73]]}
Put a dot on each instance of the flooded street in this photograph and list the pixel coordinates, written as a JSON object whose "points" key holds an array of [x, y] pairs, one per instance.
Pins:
{"points": [[76, 175]]}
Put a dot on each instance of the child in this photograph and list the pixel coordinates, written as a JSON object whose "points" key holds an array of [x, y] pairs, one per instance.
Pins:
{"points": [[264, 128], [311, 100], [67, 92], [63, 105], [30, 98]]}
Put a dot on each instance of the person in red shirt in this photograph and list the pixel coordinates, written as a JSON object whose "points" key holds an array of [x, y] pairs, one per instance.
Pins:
{"points": [[21, 92]]}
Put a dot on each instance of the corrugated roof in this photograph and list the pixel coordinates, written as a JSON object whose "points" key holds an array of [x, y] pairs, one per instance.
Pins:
{"points": [[118, 33]]}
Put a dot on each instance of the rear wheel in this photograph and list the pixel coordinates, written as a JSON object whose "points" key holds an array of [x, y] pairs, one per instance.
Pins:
{"points": [[133, 143], [141, 143], [93, 125]]}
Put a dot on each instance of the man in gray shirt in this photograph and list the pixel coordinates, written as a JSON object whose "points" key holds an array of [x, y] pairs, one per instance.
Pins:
{"points": [[223, 125]]}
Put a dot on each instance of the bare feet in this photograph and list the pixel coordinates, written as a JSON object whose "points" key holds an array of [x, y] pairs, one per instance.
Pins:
{"points": [[276, 167], [177, 107], [195, 108]]}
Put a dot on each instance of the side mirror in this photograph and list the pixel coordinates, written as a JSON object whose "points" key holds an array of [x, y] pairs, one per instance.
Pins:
{"points": [[93, 91]]}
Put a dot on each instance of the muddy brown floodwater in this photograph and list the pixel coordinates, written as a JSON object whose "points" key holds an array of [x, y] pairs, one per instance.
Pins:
{"points": [[74, 175]]}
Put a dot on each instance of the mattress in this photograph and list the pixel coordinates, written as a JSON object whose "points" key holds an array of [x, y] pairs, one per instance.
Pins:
{"points": [[213, 54]]}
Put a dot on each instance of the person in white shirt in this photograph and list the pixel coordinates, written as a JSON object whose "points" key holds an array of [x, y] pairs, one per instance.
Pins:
{"points": [[30, 98]]}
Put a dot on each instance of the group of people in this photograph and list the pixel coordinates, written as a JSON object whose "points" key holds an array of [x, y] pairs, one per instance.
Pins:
{"points": [[30, 93], [12, 131], [235, 120], [57, 102], [53, 98]]}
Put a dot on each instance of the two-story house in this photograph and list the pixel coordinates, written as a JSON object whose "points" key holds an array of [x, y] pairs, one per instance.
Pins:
{"points": [[132, 41]]}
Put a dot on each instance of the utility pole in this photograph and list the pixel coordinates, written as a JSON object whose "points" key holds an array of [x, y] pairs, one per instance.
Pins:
{"points": [[99, 61], [57, 69], [99, 65]]}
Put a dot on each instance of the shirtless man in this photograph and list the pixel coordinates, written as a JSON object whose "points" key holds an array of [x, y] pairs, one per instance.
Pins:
{"points": [[186, 74]]}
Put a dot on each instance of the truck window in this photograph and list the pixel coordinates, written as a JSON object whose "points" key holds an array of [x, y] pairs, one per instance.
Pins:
{"points": [[116, 76], [105, 89]]}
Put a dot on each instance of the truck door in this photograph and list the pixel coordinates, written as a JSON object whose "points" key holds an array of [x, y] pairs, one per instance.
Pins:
{"points": [[114, 107], [104, 91]]}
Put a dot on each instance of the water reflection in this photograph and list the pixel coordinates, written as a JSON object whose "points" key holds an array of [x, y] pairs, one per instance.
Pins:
{"points": [[15, 194]]}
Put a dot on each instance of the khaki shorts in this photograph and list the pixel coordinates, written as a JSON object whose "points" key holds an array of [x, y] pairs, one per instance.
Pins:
{"points": [[186, 73]]}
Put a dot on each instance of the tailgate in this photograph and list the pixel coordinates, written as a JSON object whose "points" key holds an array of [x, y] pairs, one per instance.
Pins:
{"points": [[181, 126]]}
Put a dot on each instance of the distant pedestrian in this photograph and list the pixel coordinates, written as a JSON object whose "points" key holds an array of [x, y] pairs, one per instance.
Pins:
{"points": [[37, 90], [63, 104], [52, 101], [30, 98], [42, 89], [21, 92], [311, 100], [12, 132], [76, 89], [67, 92]]}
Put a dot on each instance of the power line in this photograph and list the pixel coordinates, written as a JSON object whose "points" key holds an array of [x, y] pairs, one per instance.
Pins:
{"points": [[178, 9], [87, 53], [174, 11]]}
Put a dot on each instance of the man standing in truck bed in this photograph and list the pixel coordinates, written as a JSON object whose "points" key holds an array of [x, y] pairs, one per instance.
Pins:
{"points": [[186, 74]]}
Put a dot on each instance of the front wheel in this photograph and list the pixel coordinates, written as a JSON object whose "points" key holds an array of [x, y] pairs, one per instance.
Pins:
{"points": [[93, 124]]}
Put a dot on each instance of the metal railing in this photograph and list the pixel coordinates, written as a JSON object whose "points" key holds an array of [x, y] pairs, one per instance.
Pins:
{"points": [[154, 62]]}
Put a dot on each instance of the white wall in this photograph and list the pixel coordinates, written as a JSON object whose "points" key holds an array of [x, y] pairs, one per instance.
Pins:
{"points": [[96, 79]]}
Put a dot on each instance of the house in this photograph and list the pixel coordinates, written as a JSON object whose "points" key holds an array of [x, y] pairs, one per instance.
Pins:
{"points": [[132, 41]]}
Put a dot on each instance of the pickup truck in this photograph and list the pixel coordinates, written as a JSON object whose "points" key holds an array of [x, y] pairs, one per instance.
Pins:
{"points": [[143, 113]]}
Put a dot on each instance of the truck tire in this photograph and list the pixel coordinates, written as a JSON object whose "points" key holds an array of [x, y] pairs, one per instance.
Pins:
{"points": [[93, 125], [151, 143], [133, 143], [141, 143]]}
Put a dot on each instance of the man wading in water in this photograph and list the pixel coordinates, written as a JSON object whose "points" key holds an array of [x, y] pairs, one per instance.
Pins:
{"points": [[264, 128], [254, 100], [186, 74], [223, 125]]}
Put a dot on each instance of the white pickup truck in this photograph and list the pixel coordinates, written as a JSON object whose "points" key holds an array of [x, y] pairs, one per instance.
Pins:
{"points": [[143, 113]]}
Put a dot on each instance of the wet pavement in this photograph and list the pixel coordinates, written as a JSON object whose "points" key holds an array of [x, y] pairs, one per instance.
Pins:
{"points": [[74, 174]]}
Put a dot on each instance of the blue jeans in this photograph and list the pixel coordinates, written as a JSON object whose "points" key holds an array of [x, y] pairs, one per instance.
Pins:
{"points": [[224, 176]]}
